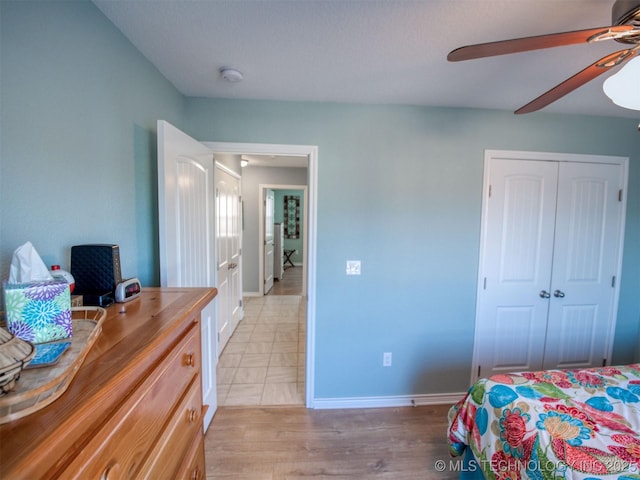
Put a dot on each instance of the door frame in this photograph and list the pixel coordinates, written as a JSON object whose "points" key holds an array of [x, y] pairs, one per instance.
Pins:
{"points": [[311, 152], [517, 155], [261, 232]]}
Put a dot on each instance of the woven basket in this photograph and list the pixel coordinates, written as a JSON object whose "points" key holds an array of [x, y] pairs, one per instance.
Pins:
{"points": [[15, 353]]}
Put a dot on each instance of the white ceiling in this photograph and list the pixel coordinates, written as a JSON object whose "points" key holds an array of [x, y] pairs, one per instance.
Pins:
{"points": [[368, 51]]}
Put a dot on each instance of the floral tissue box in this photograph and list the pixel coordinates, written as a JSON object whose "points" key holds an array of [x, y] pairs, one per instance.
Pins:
{"points": [[38, 311]]}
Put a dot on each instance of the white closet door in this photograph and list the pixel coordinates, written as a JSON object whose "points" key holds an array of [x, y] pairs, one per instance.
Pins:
{"points": [[552, 228], [235, 233], [585, 260], [517, 248], [223, 252], [229, 254]]}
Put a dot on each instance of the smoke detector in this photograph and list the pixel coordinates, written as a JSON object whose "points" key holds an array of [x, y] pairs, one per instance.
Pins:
{"points": [[231, 75]]}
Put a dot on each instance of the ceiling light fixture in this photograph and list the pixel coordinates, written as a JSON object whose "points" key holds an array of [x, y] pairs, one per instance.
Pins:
{"points": [[231, 75], [623, 88], [244, 163]]}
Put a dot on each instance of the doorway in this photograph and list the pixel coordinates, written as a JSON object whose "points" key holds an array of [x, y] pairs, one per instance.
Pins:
{"points": [[281, 308], [295, 249], [264, 362]]}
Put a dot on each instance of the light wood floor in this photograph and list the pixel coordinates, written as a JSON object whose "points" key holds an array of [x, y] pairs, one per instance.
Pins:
{"points": [[290, 284], [294, 443]]}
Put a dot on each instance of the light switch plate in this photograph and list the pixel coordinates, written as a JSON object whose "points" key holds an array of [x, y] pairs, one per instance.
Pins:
{"points": [[353, 267]]}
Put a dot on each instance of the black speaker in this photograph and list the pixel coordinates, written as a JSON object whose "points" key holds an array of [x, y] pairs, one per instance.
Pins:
{"points": [[96, 271]]}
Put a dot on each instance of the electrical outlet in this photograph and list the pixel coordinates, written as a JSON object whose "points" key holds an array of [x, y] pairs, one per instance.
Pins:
{"points": [[353, 267], [386, 359]]}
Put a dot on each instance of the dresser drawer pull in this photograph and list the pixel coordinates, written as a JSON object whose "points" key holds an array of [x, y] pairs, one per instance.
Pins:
{"points": [[112, 471], [190, 360], [192, 415], [196, 474]]}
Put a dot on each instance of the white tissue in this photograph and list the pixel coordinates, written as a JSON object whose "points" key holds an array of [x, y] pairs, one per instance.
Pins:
{"points": [[27, 266]]}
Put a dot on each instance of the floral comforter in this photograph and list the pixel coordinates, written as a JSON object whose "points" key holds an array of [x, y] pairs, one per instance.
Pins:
{"points": [[571, 424]]}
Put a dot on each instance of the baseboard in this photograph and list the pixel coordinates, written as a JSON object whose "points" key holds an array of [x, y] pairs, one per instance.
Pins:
{"points": [[251, 294], [393, 401]]}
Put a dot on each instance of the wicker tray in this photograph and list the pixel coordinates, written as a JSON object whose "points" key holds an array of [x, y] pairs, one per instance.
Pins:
{"points": [[39, 387], [15, 353]]}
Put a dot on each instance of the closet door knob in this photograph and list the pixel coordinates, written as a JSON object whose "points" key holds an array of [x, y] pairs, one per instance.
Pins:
{"points": [[544, 294], [558, 294]]}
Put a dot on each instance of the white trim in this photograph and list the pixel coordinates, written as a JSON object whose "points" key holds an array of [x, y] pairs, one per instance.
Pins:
{"points": [[311, 152], [392, 401], [554, 157], [624, 161], [263, 149], [227, 170]]}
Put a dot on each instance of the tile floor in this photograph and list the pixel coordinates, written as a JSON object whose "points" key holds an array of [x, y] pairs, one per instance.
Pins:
{"points": [[264, 360]]}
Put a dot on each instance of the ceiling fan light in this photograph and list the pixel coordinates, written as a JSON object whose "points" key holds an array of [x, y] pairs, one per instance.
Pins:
{"points": [[623, 88]]}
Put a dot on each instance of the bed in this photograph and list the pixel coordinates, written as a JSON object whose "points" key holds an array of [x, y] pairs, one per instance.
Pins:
{"points": [[570, 424]]}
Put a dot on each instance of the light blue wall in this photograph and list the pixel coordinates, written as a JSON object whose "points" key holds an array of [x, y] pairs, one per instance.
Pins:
{"points": [[78, 153], [398, 188]]}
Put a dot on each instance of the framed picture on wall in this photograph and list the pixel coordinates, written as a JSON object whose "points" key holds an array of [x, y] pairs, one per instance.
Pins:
{"points": [[292, 216]]}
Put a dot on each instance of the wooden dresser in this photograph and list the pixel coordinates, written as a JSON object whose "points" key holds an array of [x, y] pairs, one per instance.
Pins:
{"points": [[134, 409]]}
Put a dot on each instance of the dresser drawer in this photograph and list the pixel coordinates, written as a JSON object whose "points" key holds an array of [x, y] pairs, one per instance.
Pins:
{"points": [[173, 446], [193, 467], [121, 446]]}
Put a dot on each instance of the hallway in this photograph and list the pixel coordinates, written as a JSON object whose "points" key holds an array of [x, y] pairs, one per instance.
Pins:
{"points": [[264, 361]]}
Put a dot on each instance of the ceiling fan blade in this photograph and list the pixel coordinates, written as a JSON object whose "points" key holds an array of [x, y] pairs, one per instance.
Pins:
{"points": [[579, 79], [525, 44]]}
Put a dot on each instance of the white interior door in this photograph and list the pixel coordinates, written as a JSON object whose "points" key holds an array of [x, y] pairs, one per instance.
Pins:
{"points": [[235, 234], [187, 236], [585, 261], [229, 253], [269, 216], [518, 235]]}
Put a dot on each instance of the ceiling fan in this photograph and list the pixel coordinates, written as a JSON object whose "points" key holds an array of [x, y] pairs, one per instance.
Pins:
{"points": [[625, 29]]}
